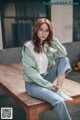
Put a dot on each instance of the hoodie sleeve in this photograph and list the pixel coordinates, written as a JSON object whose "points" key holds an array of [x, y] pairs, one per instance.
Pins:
{"points": [[30, 70], [61, 50]]}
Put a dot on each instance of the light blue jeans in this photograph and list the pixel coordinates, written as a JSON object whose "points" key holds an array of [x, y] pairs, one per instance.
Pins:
{"points": [[62, 65]]}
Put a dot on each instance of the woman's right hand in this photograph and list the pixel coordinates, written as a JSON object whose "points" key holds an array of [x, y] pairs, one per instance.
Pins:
{"points": [[55, 88]]}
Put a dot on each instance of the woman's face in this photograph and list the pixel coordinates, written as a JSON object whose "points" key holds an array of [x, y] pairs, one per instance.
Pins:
{"points": [[43, 32]]}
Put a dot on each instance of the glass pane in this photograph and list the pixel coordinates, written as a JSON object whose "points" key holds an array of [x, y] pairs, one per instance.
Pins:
{"points": [[19, 9], [9, 9], [9, 32], [76, 30], [76, 23], [24, 31], [35, 9], [17, 33]]}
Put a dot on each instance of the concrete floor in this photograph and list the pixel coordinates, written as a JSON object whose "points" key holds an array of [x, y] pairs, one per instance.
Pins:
{"points": [[19, 113]]}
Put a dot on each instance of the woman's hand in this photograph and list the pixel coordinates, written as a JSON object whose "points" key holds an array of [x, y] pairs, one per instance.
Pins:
{"points": [[55, 88]]}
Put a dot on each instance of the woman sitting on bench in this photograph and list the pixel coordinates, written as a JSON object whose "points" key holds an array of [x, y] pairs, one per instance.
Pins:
{"points": [[44, 59]]}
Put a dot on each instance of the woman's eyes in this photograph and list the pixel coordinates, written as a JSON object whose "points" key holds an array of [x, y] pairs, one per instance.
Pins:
{"points": [[44, 30]]}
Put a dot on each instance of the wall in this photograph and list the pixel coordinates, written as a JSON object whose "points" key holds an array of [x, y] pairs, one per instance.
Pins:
{"points": [[14, 55], [73, 50], [11, 55], [62, 18]]}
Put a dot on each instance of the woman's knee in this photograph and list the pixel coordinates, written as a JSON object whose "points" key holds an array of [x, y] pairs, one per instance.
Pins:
{"points": [[64, 60], [60, 102]]}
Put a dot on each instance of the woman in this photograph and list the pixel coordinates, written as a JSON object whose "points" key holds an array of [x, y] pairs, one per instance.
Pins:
{"points": [[44, 59]]}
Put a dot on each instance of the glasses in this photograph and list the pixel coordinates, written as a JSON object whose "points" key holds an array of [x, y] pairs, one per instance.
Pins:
{"points": [[41, 31]]}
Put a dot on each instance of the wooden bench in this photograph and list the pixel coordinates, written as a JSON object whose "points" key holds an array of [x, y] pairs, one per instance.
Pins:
{"points": [[11, 81]]}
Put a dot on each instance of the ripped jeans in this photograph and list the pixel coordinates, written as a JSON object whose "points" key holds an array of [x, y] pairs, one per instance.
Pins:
{"points": [[62, 65]]}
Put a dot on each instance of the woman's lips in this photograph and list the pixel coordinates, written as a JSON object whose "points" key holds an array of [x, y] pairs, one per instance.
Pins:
{"points": [[43, 37]]}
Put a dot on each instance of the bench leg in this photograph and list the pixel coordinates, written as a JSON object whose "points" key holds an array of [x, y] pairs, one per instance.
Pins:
{"points": [[32, 114]]}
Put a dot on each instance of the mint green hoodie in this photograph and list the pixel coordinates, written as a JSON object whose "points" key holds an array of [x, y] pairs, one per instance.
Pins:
{"points": [[30, 69]]}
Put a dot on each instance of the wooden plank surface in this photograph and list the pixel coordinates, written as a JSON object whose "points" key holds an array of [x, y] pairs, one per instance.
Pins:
{"points": [[72, 88], [11, 77]]}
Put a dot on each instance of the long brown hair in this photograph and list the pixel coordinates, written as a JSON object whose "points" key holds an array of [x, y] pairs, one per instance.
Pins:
{"points": [[35, 38]]}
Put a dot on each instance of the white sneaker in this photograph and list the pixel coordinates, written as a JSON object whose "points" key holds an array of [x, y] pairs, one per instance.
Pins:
{"points": [[63, 95]]}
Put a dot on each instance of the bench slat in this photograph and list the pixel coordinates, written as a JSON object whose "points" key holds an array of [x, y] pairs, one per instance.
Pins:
{"points": [[12, 79]]}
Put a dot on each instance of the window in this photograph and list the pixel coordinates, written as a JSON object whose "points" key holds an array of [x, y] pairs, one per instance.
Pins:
{"points": [[18, 18], [76, 22]]}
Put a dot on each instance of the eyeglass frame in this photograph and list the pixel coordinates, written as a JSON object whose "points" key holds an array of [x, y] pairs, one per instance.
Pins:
{"points": [[41, 31]]}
